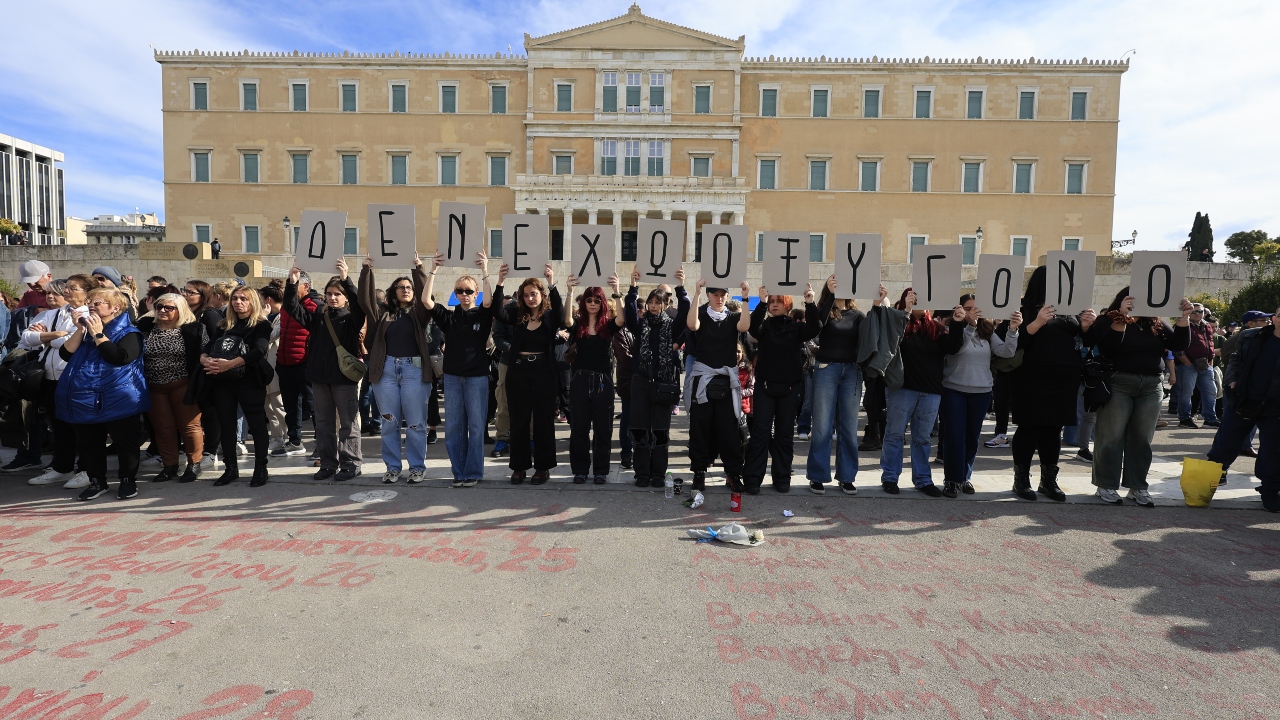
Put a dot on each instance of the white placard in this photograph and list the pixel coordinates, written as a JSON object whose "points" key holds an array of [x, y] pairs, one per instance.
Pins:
{"points": [[1069, 279], [786, 262], [724, 256], [998, 293], [526, 245], [393, 236], [320, 240], [1158, 283], [592, 255], [659, 247], [460, 233], [935, 276], [857, 263]]}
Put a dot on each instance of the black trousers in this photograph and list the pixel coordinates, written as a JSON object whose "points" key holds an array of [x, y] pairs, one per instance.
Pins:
{"points": [[64, 433], [295, 393], [532, 388], [713, 428], [251, 398], [1002, 399], [562, 400], [1030, 439], [126, 437], [773, 424], [433, 402], [209, 424], [875, 403], [591, 423], [650, 428]]}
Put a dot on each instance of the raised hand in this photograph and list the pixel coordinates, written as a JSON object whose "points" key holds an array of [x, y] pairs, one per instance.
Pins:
{"points": [[417, 261], [680, 275], [1086, 319], [482, 262], [503, 269], [635, 276], [1186, 307], [571, 282], [884, 292], [437, 261], [702, 283], [342, 268], [1015, 320], [746, 289], [831, 283], [368, 260], [910, 300], [613, 283], [294, 273], [764, 295], [808, 292], [550, 275], [1046, 314], [958, 314]]}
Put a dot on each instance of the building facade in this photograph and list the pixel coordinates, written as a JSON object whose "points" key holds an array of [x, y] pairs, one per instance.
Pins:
{"points": [[636, 117], [128, 229], [31, 191]]}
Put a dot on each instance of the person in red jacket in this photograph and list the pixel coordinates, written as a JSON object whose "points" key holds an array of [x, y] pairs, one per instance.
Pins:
{"points": [[291, 361]]}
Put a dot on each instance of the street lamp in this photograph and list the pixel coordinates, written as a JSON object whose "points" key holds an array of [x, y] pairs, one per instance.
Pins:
{"points": [[979, 233], [286, 233]]}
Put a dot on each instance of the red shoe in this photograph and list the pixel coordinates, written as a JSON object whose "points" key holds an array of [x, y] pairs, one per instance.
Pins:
{"points": [[1249, 453]]}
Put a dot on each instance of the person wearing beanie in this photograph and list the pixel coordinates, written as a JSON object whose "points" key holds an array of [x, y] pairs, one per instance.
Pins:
{"points": [[108, 276]]}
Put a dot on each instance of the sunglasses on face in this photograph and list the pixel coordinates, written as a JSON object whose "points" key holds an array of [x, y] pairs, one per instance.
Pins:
{"points": [[463, 291], [96, 303], [166, 308]]}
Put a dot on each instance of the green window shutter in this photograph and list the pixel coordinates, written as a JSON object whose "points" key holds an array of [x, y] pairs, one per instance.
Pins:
{"points": [[819, 103], [1019, 247], [768, 174], [250, 96], [449, 170], [202, 233], [202, 167], [657, 98], [1022, 177], [351, 242], [609, 102], [1079, 105], [1071, 244], [349, 169], [914, 242], [495, 243], [608, 166], [399, 170], [968, 250], [870, 169], [817, 175], [448, 99], [300, 97], [498, 100], [557, 244], [924, 103], [769, 103], [251, 167], [564, 98], [348, 98], [564, 164], [975, 105], [702, 167], [1026, 106], [1075, 179], [632, 166], [817, 248], [200, 96], [702, 99], [633, 98], [399, 98], [972, 176], [919, 177], [300, 168], [497, 171], [655, 167], [871, 104], [251, 243]]}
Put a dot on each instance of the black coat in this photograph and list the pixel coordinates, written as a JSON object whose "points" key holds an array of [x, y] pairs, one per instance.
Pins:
{"points": [[322, 355]]}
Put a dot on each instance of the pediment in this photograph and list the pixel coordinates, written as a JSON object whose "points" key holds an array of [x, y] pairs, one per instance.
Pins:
{"points": [[633, 31]]}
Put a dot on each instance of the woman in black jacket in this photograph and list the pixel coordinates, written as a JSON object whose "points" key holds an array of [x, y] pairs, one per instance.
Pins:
{"points": [[240, 382], [591, 383], [1136, 348], [779, 377], [653, 379], [336, 396], [173, 340], [532, 380], [1045, 388]]}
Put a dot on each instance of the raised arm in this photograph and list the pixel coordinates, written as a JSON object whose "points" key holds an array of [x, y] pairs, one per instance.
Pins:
{"points": [[744, 318], [427, 290], [630, 310], [366, 293], [571, 282], [419, 284], [813, 317], [691, 321], [293, 304], [618, 319]]}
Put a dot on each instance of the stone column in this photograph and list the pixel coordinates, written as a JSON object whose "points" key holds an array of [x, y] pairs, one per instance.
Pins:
{"points": [[591, 217], [690, 229], [737, 218], [617, 234]]}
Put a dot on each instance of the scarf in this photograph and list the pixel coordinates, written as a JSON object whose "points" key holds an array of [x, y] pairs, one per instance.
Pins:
{"points": [[660, 368], [1117, 316], [717, 316]]}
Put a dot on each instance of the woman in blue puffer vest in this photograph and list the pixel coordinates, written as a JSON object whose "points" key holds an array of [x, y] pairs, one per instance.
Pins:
{"points": [[102, 391]]}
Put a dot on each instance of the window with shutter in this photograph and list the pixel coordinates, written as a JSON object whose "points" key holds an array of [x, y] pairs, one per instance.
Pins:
{"points": [[252, 243], [870, 175], [975, 105], [351, 241], [564, 164], [349, 167], [968, 250], [399, 98], [249, 96], [657, 92], [817, 248], [702, 167], [769, 102], [300, 170], [564, 98], [448, 99], [251, 167], [1075, 179], [817, 174], [655, 157], [498, 99], [1022, 177], [819, 103], [914, 242], [448, 170], [497, 170], [631, 162], [348, 98], [1079, 105], [1026, 105], [972, 177], [919, 177], [768, 174], [299, 97], [201, 167], [200, 96], [871, 104], [924, 103], [399, 170], [702, 98]]}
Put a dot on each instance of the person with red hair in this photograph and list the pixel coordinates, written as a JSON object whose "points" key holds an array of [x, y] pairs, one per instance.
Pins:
{"points": [[591, 381]]}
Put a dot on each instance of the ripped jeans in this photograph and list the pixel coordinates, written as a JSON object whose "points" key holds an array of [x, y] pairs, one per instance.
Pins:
{"points": [[402, 395]]}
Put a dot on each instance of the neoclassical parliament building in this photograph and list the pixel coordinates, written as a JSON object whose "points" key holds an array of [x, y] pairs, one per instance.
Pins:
{"points": [[634, 117]]}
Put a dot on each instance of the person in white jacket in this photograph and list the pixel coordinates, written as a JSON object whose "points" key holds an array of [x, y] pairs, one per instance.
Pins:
{"points": [[46, 333]]}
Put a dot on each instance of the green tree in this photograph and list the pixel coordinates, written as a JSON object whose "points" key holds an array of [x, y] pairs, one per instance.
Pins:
{"points": [[1216, 305], [8, 227], [1201, 237], [1261, 294], [1242, 246]]}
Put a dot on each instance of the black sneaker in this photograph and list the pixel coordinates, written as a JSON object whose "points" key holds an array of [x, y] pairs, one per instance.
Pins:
{"points": [[470, 482], [848, 488], [579, 479], [324, 473], [1211, 423], [817, 488], [966, 487], [517, 478], [600, 479], [626, 461], [949, 489], [96, 489], [17, 465], [931, 490], [642, 481], [890, 487], [1188, 423], [347, 473], [128, 488], [432, 439], [1085, 455]]}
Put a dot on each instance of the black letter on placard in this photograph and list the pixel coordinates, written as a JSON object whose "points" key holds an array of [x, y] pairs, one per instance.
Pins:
{"points": [[515, 247], [461, 222], [928, 272], [995, 287], [855, 264], [591, 254], [1168, 280], [789, 257], [311, 247], [1071, 278], [715, 255], [653, 245], [382, 232]]}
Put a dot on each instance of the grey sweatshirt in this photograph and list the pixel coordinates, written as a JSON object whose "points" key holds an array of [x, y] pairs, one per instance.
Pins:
{"points": [[969, 370]]}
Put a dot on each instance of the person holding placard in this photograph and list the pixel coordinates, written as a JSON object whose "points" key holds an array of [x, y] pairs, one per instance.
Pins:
{"points": [[532, 377], [466, 366], [967, 382], [399, 348], [925, 342], [336, 397], [1046, 386], [653, 379], [779, 377], [591, 383], [713, 396], [1127, 422]]}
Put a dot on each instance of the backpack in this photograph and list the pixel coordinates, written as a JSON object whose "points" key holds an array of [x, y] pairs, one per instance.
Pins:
{"points": [[21, 374], [229, 347]]}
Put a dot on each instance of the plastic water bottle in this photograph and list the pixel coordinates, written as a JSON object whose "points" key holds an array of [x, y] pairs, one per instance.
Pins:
{"points": [[670, 487]]}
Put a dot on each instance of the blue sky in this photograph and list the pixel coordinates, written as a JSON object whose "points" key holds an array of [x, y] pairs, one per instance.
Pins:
{"points": [[1199, 104]]}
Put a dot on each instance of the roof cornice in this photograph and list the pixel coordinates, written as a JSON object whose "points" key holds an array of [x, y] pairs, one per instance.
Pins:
{"points": [[345, 58], [978, 64]]}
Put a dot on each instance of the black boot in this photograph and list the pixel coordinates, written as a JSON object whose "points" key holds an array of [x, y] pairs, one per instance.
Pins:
{"points": [[168, 473], [871, 438], [699, 481], [1049, 483], [230, 474], [1022, 482], [259, 474]]}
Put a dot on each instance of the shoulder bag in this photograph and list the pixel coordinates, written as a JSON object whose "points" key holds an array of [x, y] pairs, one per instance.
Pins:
{"points": [[350, 365], [229, 346]]}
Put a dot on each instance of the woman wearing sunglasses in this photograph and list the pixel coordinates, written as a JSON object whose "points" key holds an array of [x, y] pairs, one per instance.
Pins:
{"points": [[591, 383], [198, 295], [398, 349], [173, 341], [466, 367]]}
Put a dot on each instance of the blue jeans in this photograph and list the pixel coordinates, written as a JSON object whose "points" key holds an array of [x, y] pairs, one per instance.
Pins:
{"points": [[836, 390], [920, 409], [804, 419], [1191, 380], [466, 407], [962, 416], [401, 395], [369, 406], [1226, 411]]}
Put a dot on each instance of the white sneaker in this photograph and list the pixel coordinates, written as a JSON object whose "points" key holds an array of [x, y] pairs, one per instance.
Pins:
{"points": [[802, 437], [77, 481], [417, 476], [1140, 497], [242, 449], [48, 477], [1108, 495], [293, 449], [208, 462], [1000, 440], [390, 476]]}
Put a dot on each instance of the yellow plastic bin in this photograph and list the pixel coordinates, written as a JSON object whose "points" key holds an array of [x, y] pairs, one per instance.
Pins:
{"points": [[1199, 481]]}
